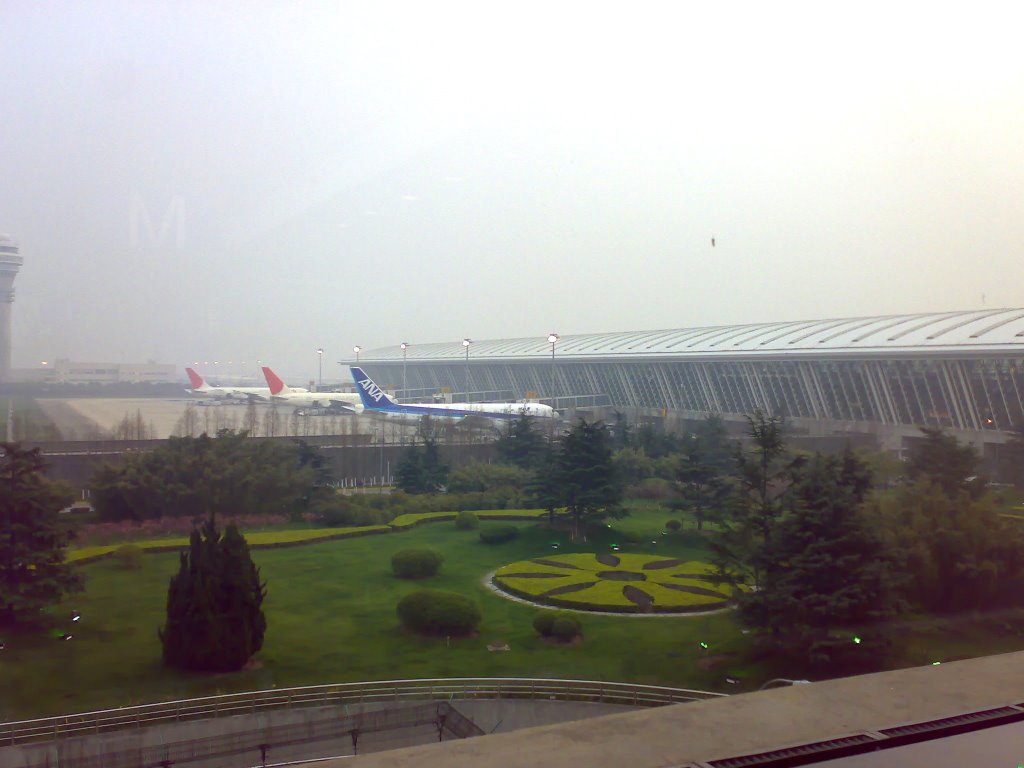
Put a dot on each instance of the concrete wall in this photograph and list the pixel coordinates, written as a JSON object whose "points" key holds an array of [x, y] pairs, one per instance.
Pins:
{"points": [[125, 747]]}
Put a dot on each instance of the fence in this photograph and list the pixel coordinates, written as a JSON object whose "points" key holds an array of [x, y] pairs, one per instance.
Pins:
{"points": [[256, 744], [86, 723]]}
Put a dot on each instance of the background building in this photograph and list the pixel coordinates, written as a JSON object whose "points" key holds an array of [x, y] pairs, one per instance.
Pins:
{"points": [[69, 372], [10, 263], [885, 376]]}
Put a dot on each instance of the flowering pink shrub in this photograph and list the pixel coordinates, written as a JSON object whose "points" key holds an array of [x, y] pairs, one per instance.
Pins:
{"points": [[98, 534]]}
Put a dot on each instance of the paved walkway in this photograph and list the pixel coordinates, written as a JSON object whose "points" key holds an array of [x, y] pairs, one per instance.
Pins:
{"points": [[738, 725]]}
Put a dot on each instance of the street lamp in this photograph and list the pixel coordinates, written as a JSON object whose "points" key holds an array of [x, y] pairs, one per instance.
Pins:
{"points": [[320, 369], [552, 340], [405, 347], [357, 349], [466, 343]]}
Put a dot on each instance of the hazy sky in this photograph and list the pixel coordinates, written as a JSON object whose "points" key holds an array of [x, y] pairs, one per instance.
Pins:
{"points": [[233, 181]]}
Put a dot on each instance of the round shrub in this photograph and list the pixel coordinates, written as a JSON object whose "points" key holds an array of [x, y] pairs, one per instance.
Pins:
{"points": [[498, 534], [558, 624], [129, 556], [673, 525], [467, 521], [565, 627], [416, 563], [543, 622], [434, 612]]}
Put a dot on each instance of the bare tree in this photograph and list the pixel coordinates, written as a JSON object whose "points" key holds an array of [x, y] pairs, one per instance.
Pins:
{"points": [[271, 422], [250, 421]]}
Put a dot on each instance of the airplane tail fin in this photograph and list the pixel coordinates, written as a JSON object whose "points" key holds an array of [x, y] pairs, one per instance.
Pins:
{"points": [[195, 379], [277, 387], [373, 396]]}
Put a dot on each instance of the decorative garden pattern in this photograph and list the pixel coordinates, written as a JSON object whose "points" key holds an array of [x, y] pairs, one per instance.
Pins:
{"points": [[615, 582]]}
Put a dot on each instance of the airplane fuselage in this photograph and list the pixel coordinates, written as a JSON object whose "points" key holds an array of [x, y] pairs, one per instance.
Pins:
{"points": [[377, 403]]}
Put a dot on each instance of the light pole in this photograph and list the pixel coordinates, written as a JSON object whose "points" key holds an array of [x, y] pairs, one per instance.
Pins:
{"points": [[320, 369], [405, 348], [466, 343], [552, 340], [357, 349]]}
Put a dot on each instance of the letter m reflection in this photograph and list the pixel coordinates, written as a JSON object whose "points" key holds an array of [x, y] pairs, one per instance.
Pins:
{"points": [[140, 222]]}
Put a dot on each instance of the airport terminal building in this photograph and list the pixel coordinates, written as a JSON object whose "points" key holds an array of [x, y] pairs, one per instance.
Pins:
{"points": [[886, 376]]}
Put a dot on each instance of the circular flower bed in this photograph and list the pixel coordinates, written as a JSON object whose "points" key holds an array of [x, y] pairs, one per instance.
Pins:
{"points": [[615, 582]]}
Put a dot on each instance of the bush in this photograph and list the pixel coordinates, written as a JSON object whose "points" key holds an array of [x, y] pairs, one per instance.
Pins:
{"points": [[348, 512], [558, 624], [673, 525], [478, 476], [434, 612], [652, 488], [498, 534], [467, 521], [129, 556], [543, 622], [565, 627], [416, 563]]}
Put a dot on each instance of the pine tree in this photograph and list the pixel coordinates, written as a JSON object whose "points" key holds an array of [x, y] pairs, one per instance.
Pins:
{"points": [[585, 476], [703, 489], [764, 476], [825, 565], [33, 540], [521, 444], [215, 621]]}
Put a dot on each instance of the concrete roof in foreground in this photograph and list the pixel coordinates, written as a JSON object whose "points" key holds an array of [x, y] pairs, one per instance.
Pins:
{"points": [[981, 331], [746, 724]]}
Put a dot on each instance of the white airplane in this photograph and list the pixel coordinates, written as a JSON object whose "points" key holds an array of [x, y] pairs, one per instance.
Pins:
{"points": [[282, 393], [201, 389], [377, 403]]}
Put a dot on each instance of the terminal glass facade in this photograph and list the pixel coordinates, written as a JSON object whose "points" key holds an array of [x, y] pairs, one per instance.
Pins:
{"points": [[971, 393]]}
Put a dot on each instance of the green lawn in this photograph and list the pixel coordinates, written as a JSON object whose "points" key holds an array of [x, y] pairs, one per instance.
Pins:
{"points": [[331, 615]]}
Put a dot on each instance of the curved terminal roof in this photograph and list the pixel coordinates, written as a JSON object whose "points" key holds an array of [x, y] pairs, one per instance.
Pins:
{"points": [[979, 332]]}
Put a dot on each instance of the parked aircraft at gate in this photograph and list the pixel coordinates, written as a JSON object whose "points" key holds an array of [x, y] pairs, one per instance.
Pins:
{"points": [[201, 389], [281, 392], [377, 403]]}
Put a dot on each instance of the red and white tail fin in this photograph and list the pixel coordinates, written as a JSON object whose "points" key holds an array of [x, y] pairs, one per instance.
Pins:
{"points": [[197, 381], [277, 387]]}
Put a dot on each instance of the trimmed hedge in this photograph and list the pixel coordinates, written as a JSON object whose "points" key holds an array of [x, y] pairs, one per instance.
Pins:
{"points": [[416, 563], [670, 585], [498, 534], [434, 612], [467, 521], [257, 540], [673, 525], [419, 518]]}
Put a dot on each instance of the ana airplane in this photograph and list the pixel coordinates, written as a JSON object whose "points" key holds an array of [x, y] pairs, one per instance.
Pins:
{"points": [[377, 403], [201, 389], [282, 393]]}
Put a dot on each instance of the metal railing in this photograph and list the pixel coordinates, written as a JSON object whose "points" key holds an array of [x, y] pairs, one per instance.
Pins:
{"points": [[85, 723]]}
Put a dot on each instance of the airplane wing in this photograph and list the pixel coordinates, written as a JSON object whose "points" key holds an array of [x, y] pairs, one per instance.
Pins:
{"points": [[343, 406], [477, 421]]}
